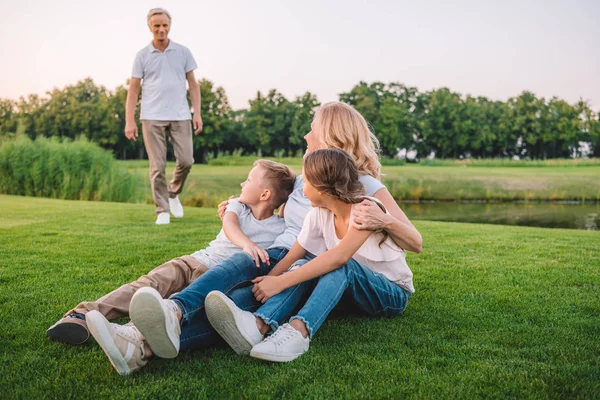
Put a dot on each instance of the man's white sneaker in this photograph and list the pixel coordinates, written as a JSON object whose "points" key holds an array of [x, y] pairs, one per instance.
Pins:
{"points": [[163, 218], [176, 207], [156, 319], [236, 326], [123, 344], [286, 344]]}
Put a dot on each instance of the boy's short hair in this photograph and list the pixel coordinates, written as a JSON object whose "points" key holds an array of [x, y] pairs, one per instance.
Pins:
{"points": [[280, 179]]}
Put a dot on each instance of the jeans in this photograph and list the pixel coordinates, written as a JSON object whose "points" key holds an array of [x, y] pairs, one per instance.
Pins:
{"points": [[234, 278], [370, 291]]}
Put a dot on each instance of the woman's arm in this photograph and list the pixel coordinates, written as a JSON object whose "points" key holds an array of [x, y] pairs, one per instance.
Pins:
{"points": [[368, 216], [266, 286]]}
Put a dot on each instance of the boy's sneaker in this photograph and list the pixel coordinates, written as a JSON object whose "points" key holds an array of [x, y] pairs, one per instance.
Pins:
{"points": [[71, 329], [176, 207], [156, 318], [123, 344], [163, 218], [236, 326], [286, 344]]}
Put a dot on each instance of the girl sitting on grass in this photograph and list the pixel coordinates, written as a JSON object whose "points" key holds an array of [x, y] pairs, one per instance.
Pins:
{"points": [[368, 267]]}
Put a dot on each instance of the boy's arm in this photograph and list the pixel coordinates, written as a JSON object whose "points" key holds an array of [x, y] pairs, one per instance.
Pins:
{"points": [[266, 286], [296, 253], [231, 227]]}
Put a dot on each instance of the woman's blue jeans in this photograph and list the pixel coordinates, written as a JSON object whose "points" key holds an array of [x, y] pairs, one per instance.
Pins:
{"points": [[369, 291], [234, 278]]}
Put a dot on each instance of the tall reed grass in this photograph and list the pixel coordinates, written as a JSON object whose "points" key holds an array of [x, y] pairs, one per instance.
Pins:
{"points": [[75, 170]]}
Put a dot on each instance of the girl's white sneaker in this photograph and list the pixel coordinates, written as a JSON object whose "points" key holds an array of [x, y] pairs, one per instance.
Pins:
{"points": [[286, 344]]}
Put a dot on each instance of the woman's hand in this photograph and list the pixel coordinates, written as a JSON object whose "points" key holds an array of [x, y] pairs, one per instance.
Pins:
{"points": [[223, 207], [266, 287], [368, 216], [257, 253]]}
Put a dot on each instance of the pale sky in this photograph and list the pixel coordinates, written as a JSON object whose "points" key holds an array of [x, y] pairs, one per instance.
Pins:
{"points": [[494, 49]]}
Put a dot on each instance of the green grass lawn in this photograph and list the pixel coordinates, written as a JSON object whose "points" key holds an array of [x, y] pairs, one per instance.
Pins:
{"points": [[499, 312], [208, 185]]}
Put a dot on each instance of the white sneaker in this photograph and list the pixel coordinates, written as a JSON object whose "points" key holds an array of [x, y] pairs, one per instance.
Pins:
{"points": [[176, 207], [123, 345], [286, 344], [156, 319], [236, 326], [163, 218]]}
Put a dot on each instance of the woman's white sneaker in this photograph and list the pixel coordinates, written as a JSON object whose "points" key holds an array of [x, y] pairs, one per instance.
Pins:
{"points": [[286, 344], [156, 318], [176, 207], [236, 326], [122, 344]]}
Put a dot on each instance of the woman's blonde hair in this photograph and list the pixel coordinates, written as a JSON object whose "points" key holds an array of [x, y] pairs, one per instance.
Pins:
{"points": [[342, 127], [335, 173]]}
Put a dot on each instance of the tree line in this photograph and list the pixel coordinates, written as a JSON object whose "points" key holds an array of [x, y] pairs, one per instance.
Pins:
{"points": [[439, 122]]}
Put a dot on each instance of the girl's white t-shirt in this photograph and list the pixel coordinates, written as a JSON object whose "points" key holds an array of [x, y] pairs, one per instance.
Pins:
{"points": [[318, 235]]}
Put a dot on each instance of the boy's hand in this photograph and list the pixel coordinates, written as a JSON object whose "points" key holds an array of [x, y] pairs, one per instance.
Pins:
{"points": [[266, 287], [257, 253], [223, 207]]}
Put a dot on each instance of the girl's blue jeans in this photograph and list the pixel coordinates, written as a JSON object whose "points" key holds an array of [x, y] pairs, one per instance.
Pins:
{"points": [[369, 291]]}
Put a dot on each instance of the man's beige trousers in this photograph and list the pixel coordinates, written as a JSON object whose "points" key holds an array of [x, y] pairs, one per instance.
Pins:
{"points": [[155, 140]]}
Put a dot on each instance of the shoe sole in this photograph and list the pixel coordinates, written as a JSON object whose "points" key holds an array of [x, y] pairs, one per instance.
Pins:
{"points": [[222, 317], [147, 313], [69, 332], [274, 357], [102, 335]]}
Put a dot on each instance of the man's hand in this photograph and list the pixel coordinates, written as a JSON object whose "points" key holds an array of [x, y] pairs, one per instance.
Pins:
{"points": [[131, 131], [257, 253], [266, 287], [223, 206], [197, 124]]}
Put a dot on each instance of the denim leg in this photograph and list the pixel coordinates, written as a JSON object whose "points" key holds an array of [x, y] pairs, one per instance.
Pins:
{"points": [[372, 292], [235, 272], [233, 278], [282, 306], [200, 334]]}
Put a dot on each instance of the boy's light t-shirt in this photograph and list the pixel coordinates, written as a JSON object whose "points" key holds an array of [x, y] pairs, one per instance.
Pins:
{"points": [[298, 205], [318, 233], [262, 232]]}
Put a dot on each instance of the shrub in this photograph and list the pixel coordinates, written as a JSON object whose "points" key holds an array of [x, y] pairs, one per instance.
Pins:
{"points": [[75, 170]]}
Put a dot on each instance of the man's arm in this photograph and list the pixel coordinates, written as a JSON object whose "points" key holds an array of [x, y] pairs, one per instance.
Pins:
{"points": [[231, 227], [195, 97], [131, 131]]}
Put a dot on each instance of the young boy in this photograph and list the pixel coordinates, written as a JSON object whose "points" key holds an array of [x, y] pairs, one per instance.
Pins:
{"points": [[249, 225]]}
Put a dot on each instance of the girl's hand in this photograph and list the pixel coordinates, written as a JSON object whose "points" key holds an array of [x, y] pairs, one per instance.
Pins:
{"points": [[257, 253], [368, 216], [223, 207], [266, 287]]}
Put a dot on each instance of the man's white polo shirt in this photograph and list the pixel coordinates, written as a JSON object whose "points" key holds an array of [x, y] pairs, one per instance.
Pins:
{"points": [[163, 81]]}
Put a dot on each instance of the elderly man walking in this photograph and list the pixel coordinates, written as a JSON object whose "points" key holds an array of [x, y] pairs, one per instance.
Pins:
{"points": [[161, 69]]}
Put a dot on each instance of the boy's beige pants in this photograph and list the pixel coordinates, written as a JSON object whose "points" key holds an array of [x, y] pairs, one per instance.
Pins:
{"points": [[155, 141], [171, 277]]}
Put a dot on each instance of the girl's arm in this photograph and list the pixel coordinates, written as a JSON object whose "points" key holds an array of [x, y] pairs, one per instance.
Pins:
{"points": [[368, 216], [296, 253], [267, 286]]}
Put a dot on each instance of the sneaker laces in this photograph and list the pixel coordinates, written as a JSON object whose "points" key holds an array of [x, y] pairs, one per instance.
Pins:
{"points": [[130, 333], [282, 335]]}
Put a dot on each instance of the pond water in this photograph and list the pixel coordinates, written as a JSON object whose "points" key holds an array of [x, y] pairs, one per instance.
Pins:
{"points": [[547, 215]]}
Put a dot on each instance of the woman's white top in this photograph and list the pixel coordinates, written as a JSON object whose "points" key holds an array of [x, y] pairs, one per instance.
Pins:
{"points": [[318, 235]]}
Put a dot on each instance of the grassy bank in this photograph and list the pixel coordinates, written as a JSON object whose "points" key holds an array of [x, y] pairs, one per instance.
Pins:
{"points": [[209, 185], [499, 312]]}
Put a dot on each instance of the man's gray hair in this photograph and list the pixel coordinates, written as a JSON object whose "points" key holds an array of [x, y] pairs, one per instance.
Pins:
{"points": [[155, 11]]}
